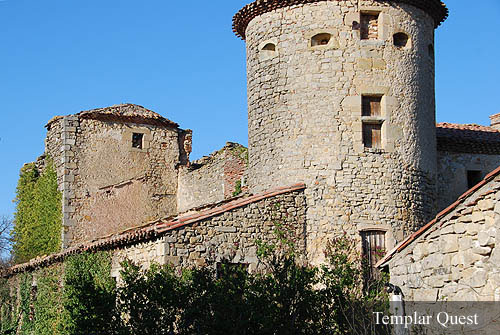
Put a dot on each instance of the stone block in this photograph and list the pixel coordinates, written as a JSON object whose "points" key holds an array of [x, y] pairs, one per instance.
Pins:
{"points": [[449, 243], [182, 252], [223, 229], [486, 205], [173, 260]]}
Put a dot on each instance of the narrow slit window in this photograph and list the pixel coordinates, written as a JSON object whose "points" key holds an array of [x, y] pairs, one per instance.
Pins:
{"points": [[369, 26], [431, 51], [473, 178], [137, 139], [371, 106], [372, 135], [320, 39], [373, 248]]}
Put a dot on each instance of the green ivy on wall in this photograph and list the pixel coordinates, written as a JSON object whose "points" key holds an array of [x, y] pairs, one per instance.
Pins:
{"points": [[38, 217], [89, 294]]}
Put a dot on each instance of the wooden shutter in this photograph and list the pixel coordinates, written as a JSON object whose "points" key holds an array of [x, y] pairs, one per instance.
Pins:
{"points": [[373, 247], [371, 106], [372, 135]]}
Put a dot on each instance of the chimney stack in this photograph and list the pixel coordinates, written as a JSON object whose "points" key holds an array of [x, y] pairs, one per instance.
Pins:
{"points": [[495, 121]]}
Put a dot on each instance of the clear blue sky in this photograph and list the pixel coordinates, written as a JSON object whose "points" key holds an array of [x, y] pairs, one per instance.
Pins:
{"points": [[181, 59]]}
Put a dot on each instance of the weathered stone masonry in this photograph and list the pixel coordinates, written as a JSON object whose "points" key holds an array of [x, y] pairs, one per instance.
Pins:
{"points": [[227, 231], [455, 257], [212, 179], [305, 112], [107, 184]]}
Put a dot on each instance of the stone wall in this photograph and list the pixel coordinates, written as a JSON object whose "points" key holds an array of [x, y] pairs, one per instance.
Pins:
{"points": [[212, 179], [306, 123], [452, 173], [230, 235], [457, 259], [107, 184]]}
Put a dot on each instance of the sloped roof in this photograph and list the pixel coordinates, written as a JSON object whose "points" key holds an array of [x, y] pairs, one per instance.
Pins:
{"points": [[150, 230], [437, 220], [467, 138], [124, 113], [435, 8], [128, 112]]}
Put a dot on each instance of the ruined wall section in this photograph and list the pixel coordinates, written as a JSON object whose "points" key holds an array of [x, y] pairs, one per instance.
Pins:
{"points": [[457, 259], [452, 173], [212, 179], [119, 186], [107, 184], [231, 236], [60, 146], [306, 123]]}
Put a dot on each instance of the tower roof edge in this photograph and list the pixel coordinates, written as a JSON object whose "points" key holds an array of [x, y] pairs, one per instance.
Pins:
{"points": [[435, 8]]}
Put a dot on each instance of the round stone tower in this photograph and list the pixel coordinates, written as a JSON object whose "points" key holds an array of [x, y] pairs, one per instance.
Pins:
{"points": [[341, 96]]}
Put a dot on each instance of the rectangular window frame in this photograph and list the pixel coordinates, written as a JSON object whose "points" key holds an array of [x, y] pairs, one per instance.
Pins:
{"points": [[374, 248], [365, 18]]}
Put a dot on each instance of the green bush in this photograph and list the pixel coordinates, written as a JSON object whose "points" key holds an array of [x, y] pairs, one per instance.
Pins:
{"points": [[287, 297], [89, 295]]}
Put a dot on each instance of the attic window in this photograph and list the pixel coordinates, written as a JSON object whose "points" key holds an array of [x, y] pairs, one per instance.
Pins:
{"points": [[269, 47], [473, 178], [320, 39], [369, 26], [400, 40], [137, 139]]}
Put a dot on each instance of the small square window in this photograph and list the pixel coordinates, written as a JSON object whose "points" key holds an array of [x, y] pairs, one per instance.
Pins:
{"points": [[372, 135], [369, 26], [473, 178], [371, 106], [137, 139]]}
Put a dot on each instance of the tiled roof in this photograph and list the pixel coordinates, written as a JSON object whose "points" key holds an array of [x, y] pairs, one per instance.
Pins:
{"points": [[129, 112], [435, 8], [467, 138], [149, 231], [436, 223]]}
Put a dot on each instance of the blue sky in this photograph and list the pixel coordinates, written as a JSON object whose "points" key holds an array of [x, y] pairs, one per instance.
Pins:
{"points": [[181, 59]]}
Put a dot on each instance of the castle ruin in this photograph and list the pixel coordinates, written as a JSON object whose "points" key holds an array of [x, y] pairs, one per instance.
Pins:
{"points": [[342, 136]]}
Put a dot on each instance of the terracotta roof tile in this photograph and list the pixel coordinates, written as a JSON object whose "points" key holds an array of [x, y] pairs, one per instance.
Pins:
{"points": [[467, 138], [149, 231], [435, 8]]}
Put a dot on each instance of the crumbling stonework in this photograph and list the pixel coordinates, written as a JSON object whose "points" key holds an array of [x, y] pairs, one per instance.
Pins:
{"points": [[231, 235], [212, 179], [108, 184], [455, 258]]}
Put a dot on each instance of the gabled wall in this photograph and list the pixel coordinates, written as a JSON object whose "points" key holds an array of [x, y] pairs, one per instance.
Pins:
{"points": [[458, 257]]}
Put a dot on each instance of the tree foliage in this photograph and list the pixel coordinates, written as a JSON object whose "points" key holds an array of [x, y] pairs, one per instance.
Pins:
{"points": [[288, 297], [38, 217]]}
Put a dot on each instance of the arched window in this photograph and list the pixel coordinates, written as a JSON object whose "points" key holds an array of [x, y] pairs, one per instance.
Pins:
{"points": [[269, 47], [401, 40], [320, 39]]}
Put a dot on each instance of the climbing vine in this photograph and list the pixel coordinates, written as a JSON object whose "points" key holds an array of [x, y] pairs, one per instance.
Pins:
{"points": [[38, 217]]}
